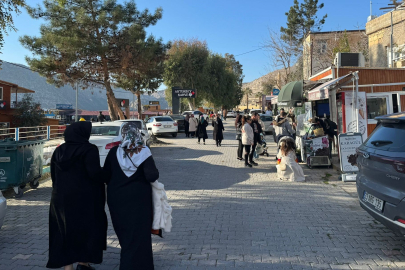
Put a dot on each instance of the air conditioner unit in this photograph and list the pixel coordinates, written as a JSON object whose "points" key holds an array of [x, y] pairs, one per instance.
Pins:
{"points": [[349, 60]]}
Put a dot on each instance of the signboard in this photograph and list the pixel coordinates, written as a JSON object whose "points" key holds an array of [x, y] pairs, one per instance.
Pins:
{"points": [[123, 103], [3, 105], [276, 92], [351, 123], [348, 143], [318, 94], [184, 93], [64, 106], [154, 102]]}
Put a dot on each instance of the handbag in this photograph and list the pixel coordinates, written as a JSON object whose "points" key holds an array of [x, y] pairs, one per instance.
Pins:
{"points": [[282, 167], [238, 137]]}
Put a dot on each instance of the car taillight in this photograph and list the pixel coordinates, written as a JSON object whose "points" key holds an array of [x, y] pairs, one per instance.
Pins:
{"points": [[157, 125], [111, 145], [399, 166], [175, 124], [271, 123]]}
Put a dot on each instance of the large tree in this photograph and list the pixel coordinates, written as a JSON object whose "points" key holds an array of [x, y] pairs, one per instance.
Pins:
{"points": [[88, 40], [186, 67], [149, 74], [7, 8]]}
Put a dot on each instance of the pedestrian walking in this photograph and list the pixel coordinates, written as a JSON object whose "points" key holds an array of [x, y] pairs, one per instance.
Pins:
{"points": [[101, 117], [77, 220], [187, 125], [224, 113], [247, 138], [331, 131], [193, 123], [130, 169], [202, 129], [288, 168], [218, 135], [283, 127], [238, 126], [257, 130]]}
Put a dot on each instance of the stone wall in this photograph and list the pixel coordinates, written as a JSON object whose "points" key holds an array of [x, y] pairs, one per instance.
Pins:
{"points": [[379, 33]]}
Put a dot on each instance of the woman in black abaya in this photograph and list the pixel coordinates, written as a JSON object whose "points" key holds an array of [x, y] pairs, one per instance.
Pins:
{"points": [[77, 220], [218, 128], [130, 169]]}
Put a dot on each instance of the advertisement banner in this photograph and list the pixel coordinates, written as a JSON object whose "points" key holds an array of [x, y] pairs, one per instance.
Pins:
{"points": [[351, 124], [348, 143]]}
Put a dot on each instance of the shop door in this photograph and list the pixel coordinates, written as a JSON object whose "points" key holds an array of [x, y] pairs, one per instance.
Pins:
{"points": [[402, 103]]}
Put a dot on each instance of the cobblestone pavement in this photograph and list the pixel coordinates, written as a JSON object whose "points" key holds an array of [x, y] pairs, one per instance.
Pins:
{"points": [[228, 216]]}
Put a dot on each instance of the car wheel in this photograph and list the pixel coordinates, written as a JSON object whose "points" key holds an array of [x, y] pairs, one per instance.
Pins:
{"points": [[174, 135], [23, 186], [19, 192], [34, 184]]}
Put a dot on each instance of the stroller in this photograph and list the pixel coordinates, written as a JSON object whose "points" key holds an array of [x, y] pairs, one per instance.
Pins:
{"points": [[261, 148]]}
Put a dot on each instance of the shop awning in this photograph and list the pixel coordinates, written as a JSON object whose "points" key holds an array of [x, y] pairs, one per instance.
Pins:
{"points": [[322, 91], [291, 94]]}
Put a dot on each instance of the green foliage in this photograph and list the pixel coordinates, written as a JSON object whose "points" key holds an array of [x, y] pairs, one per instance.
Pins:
{"points": [[92, 39], [267, 87], [301, 19], [343, 45], [28, 113], [7, 8]]}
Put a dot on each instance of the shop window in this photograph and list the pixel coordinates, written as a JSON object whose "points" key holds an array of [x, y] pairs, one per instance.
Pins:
{"points": [[1, 93], [376, 107]]}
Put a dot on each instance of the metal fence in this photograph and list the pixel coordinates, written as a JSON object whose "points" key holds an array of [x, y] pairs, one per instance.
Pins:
{"points": [[33, 133]]}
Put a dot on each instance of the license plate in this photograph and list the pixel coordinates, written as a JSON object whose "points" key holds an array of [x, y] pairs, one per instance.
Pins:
{"points": [[377, 203], [167, 126]]}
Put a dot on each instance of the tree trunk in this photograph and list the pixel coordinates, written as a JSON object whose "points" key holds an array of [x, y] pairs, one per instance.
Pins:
{"points": [[113, 106], [138, 96], [247, 101], [190, 104]]}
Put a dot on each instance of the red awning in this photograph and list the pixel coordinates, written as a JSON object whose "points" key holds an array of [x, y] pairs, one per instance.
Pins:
{"points": [[322, 91]]}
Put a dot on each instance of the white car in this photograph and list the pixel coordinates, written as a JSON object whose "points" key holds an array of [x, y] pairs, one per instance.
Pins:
{"points": [[197, 114], [3, 207], [255, 111], [231, 114], [106, 135], [268, 123], [159, 125]]}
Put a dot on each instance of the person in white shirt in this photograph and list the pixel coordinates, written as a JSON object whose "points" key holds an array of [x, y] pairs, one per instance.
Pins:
{"points": [[247, 138]]}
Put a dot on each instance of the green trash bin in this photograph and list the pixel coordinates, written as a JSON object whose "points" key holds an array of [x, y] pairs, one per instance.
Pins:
{"points": [[20, 164]]}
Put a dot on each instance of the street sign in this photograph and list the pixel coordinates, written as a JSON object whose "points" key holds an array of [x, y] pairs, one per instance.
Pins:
{"points": [[154, 102], [276, 92], [64, 106], [184, 93], [124, 103]]}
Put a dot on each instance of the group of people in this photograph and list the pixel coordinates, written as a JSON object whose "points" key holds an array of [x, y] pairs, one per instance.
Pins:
{"points": [[198, 128], [77, 217]]}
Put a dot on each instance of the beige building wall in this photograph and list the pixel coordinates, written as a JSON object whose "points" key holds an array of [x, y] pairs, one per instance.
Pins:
{"points": [[318, 49], [379, 33]]}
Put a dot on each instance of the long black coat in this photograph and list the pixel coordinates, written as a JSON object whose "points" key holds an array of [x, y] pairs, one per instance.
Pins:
{"points": [[130, 202], [202, 129], [77, 220], [218, 128]]}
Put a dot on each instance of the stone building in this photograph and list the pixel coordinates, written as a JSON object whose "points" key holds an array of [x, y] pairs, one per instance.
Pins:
{"points": [[319, 48], [378, 31]]}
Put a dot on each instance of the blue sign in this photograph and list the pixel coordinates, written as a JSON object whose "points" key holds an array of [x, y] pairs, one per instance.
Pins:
{"points": [[64, 106], [276, 92]]}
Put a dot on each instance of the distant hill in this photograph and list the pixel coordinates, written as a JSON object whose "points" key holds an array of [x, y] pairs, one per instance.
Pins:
{"points": [[92, 99]]}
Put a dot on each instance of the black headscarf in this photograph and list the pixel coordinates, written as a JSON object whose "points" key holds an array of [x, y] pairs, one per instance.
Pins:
{"points": [[78, 132]]}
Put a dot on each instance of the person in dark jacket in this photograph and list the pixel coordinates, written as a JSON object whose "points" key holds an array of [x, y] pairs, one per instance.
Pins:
{"points": [[202, 129], [187, 126], [130, 170], [218, 135], [238, 126], [77, 220], [101, 117], [257, 130]]}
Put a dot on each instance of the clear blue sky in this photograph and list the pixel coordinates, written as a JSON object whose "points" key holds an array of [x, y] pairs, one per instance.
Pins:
{"points": [[228, 26]]}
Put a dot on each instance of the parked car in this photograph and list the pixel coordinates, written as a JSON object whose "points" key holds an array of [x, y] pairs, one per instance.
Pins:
{"points": [[231, 114], [106, 135], [159, 125], [179, 119], [3, 208], [196, 114], [255, 111], [381, 176], [268, 123]]}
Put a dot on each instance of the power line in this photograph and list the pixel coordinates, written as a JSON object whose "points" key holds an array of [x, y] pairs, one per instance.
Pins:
{"points": [[251, 51]]}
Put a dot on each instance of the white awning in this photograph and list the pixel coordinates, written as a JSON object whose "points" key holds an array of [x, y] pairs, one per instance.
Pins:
{"points": [[322, 91]]}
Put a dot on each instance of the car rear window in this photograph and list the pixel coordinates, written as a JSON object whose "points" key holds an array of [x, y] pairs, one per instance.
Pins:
{"points": [[388, 137], [138, 124], [164, 119], [177, 117], [105, 131], [266, 118]]}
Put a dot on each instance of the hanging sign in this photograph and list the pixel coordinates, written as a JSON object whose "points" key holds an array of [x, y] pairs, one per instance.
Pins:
{"points": [[124, 103], [3, 105], [184, 93], [276, 92], [348, 143]]}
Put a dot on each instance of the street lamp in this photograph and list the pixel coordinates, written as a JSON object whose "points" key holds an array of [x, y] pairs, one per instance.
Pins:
{"points": [[77, 96]]}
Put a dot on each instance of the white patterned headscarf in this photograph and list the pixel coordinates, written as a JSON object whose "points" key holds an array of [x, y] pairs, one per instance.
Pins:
{"points": [[131, 139]]}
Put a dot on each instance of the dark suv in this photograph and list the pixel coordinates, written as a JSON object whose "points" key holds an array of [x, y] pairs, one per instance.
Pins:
{"points": [[381, 176]]}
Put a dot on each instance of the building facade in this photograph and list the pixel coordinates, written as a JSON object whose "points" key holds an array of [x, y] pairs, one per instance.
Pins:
{"points": [[319, 48], [378, 31]]}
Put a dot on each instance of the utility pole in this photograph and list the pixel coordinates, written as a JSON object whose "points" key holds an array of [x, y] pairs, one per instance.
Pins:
{"points": [[77, 99]]}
